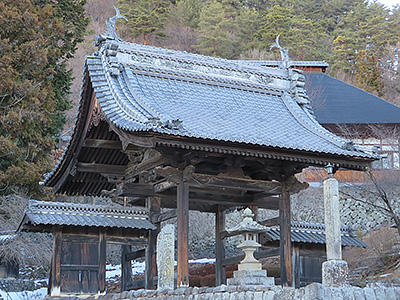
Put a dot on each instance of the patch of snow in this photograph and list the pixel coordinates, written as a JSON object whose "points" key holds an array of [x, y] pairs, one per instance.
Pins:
{"points": [[25, 295], [138, 267], [202, 261], [386, 275]]}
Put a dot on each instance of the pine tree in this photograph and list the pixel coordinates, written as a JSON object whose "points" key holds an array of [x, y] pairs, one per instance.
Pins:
{"points": [[301, 35], [218, 30], [146, 18], [36, 38]]}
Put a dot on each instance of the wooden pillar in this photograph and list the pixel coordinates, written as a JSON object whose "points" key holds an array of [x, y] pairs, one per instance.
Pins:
{"points": [[102, 261], [154, 206], [126, 267], [220, 272], [183, 224], [285, 242], [55, 283], [254, 210]]}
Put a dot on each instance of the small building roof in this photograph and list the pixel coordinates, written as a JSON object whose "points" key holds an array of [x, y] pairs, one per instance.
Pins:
{"points": [[6, 236], [44, 213], [337, 102], [305, 232]]}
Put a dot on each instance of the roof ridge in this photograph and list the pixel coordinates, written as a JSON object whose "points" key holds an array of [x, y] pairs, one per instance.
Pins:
{"points": [[321, 132]]}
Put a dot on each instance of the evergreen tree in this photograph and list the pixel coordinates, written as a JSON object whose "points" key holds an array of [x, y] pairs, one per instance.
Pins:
{"points": [[218, 29], [36, 38], [367, 74], [145, 17], [300, 34]]}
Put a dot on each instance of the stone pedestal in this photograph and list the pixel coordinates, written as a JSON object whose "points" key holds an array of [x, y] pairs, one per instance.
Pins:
{"points": [[251, 278], [335, 272], [165, 257]]}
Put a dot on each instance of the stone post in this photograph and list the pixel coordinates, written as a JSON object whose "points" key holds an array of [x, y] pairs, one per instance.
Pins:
{"points": [[165, 257], [335, 270]]}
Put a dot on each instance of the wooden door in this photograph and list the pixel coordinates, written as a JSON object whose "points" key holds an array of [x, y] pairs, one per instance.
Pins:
{"points": [[79, 267]]}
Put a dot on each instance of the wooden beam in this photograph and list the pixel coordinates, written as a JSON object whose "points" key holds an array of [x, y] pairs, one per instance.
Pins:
{"points": [[79, 267], [102, 261], [220, 272], [285, 237], [154, 207], [183, 223], [151, 159], [166, 216], [100, 168], [135, 255], [201, 180], [270, 222], [164, 185], [136, 189], [102, 144]]}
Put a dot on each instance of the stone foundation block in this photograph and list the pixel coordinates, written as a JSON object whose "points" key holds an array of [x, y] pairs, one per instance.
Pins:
{"points": [[390, 294], [251, 278], [335, 272], [316, 291], [369, 294]]}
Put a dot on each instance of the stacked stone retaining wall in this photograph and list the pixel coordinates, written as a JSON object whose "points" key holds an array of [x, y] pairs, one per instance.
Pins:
{"points": [[314, 291]]}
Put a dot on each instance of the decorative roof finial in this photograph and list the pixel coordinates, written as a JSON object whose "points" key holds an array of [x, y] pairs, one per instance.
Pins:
{"points": [[110, 31], [285, 62]]}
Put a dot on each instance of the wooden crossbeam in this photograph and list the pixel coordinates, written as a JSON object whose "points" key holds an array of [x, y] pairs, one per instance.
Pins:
{"points": [[135, 254], [103, 144], [166, 216], [211, 182], [270, 222], [201, 180], [100, 168]]}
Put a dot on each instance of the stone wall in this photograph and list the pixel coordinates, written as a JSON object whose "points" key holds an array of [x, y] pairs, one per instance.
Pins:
{"points": [[308, 206], [16, 285], [315, 291]]}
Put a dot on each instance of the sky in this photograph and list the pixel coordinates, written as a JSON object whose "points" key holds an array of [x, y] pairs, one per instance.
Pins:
{"points": [[389, 3]]}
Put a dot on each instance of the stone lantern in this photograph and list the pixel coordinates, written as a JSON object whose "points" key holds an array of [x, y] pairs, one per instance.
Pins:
{"points": [[250, 269]]}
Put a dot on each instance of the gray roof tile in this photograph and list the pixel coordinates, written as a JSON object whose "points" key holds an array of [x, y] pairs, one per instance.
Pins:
{"points": [[214, 99], [305, 232], [72, 214]]}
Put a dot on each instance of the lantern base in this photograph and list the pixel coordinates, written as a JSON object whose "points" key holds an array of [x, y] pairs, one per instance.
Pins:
{"points": [[251, 277]]}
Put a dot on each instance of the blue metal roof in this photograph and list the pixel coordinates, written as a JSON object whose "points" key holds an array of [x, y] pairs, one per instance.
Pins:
{"points": [[336, 102]]}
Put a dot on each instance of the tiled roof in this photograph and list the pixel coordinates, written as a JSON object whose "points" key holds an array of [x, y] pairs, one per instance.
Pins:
{"points": [[143, 88], [72, 214], [304, 232], [147, 89], [6, 236], [337, 102]]}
